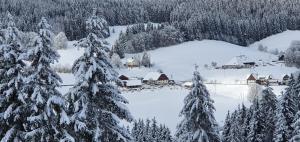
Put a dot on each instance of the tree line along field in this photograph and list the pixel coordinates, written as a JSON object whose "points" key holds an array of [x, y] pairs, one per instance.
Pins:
{"points": [[240, 22]]}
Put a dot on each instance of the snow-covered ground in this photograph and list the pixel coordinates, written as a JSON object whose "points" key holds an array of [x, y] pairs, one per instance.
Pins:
{"points": [[178, 63], [279, 41]]}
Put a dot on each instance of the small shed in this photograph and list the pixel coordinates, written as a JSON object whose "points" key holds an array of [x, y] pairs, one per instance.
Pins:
{"points": [[251, 79], [123, 77], [156, 78], [133, 83]]}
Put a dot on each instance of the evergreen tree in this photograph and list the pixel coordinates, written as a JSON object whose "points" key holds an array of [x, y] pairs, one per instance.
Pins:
{"points": [[226, 129], [199, 123], [146, 61], [267, 111], [13, 108], [256, 124], [296, 127], [98, 24], [284, 117], [95, 104], [48, 119]]}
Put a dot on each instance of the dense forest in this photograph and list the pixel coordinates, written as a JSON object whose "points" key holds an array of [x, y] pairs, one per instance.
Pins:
{"points": [[237, 21]]}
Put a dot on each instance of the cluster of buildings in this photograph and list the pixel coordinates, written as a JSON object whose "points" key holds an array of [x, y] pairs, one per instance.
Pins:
{"points": [[268, 79], [151, 78], [239, 62]]}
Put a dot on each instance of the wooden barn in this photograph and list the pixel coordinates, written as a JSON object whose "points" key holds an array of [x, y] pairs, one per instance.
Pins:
{"points": [[123, 77], [156, 78], [251, 79]]}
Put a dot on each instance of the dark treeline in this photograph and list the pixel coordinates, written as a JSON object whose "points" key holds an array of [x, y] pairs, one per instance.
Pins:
{"points": [[142, 37], [70, 15], [237, 21]]}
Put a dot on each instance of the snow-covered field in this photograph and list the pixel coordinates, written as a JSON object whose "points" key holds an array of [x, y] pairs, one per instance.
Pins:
{"points": [[280, 41], [178, 63]]}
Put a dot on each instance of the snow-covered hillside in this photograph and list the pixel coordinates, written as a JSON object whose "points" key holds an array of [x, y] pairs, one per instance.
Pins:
{"points": [[279, 41], [178, 63]]}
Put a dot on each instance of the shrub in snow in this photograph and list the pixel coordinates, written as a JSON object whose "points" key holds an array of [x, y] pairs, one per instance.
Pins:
{"points": [[47, 119], [214, 64], [95, 104], [60, 41], [254, 92], [198, 122], [262, 48]]}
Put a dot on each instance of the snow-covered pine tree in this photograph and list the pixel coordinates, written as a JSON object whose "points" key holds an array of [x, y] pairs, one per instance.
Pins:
{"points": [[199, 123], [256, 126], [284, 117], [267, 112], [13, 108], [226, 129], [154, 131], [165, 134], [296, 127], [246, 126], [146, 61], [102, 25], [295, 82], [95, 104], [235, 130], [48, 119]]}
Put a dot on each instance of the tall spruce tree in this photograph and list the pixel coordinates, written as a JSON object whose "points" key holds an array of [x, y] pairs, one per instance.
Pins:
{"points": [[256, 125], [284, 117], [226, 129], [296, 127], [48, 119], [13, 108], [199, 123], [267, 112], [95, 104]]}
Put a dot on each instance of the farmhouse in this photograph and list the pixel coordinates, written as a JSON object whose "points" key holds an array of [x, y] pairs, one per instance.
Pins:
{"points": [[131, 63], [239, 62], [156, 78], [251, 78]]}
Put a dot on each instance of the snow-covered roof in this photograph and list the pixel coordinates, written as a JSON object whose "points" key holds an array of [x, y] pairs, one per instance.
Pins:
{"points": [[133, 83], [152, 76], [188, 83], [239, 60], [254, 75]]}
